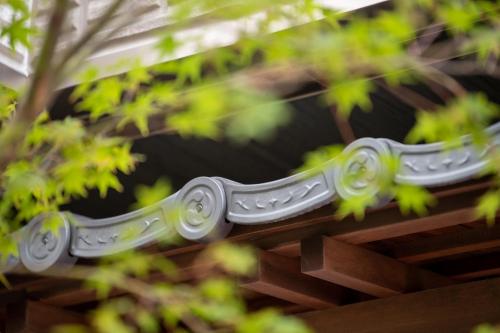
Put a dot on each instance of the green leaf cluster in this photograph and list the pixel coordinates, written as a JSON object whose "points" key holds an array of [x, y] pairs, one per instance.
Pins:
{"points": [[18, 29], [8, 101], [469, 114], [242, 114], [149, 195], [486, 328]]}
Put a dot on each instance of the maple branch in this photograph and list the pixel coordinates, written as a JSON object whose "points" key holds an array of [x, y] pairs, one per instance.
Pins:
{"points": [[40, 91], [408, 96], [89, 35]]}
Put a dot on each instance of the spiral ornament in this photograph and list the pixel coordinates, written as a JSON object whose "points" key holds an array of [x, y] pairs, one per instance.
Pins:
{"points": [[42, 251], [363, 172], [201, 205]]}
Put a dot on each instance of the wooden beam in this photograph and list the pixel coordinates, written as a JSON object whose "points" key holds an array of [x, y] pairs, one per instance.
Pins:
{"points": [[408, 226], [36, 317], [31, 284], [360, 269], [12, 296], [453, 309], [280, 277], [291, 249], [266, 302], [380, 224], [448, 244], [472, 267]]}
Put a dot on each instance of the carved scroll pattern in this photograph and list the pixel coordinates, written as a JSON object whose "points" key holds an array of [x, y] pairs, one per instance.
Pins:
{"points": [[425, 167], [262, 203], [94, 238], [434, 165]]}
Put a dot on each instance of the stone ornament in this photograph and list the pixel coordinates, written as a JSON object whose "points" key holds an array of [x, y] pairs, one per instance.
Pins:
{"points": [[206, 208], [278, 200], [201, 206], [436, 165], [43, 250], [361, 171], [94, 238]]}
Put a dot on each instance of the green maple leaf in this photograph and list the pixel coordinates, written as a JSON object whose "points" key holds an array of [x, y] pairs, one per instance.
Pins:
{"points": [[484, 42], [18, 32], [236, 259], [413, 199], [396, 25], [356, 205], [269, 320], [102, 98], [20, 6], [486, 328], [70, 175], [460, 17], [257, 122], [349, 94], [138, 113], [167, 45], [204, 114], [488, 206], [320, 157], [149, 195]]}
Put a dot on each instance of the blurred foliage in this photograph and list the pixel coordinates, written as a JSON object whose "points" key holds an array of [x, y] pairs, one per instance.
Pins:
{"points": [[7, 103], [149, 195], [212, 301], [239, 93], [18, 31], [485, 328]]}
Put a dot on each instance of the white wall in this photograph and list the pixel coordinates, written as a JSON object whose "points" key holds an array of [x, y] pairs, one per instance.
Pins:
{"points": [[136, 40]]}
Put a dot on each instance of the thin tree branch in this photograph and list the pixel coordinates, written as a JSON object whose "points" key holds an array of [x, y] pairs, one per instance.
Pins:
{"points": [[39, 94], [78, 58], [408, 96], [89, 35], [425, 40], [445, 80], [439, 90], [343, 125], [467, 67]]}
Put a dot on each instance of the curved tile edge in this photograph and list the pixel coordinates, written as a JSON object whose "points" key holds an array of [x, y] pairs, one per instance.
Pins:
{"points": [[280, 199], [206, 208], [433, 165]]}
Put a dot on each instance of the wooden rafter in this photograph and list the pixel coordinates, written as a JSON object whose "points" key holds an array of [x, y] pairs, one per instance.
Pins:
{"points": [[453, 309], [35, 317], [448, 244], [380, 224], [471, 267], [360, 269], [281, 277]]}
